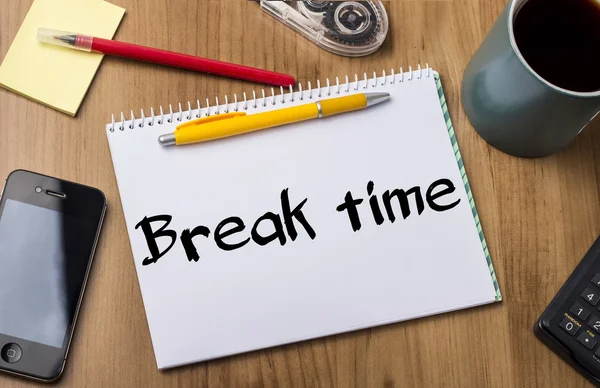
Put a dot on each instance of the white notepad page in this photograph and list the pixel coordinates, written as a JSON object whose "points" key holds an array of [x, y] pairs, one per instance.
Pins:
{"points": [[253, 297]]}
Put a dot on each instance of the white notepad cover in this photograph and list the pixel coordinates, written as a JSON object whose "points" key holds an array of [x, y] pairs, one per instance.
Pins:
{"points": [[254, 297]]}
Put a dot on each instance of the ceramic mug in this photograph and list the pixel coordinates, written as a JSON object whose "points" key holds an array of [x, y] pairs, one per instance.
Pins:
{"points": [[511, 106]]}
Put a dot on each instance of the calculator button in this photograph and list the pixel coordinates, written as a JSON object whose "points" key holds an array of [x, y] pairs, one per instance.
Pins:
{"points": [[597, 354], [586, 340], [590, 296], [579, 311], [596, 279], [595, 323], [568, 326]]}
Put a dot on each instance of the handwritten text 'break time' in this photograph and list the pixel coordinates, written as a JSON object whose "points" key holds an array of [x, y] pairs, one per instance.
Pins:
{"points": [[229, 234]]}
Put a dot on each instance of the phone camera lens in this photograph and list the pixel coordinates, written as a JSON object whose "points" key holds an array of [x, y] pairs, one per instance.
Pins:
{"points": [[38, 189]]}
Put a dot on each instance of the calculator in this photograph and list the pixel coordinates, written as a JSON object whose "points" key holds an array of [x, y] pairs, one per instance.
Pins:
{"points": [[570, 325]]}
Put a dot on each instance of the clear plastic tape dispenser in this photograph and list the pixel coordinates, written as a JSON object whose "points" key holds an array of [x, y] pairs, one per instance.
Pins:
{"points": [[349, 28]]}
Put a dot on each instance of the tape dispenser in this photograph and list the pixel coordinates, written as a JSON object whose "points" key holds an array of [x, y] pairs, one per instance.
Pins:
{"points": [[349, 28]]}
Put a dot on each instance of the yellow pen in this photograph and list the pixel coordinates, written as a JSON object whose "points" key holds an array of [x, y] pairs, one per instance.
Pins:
{"points": [[231, 124]]}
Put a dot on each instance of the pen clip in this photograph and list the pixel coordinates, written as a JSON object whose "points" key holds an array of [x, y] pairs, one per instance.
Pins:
{"points": [[209, 119]]}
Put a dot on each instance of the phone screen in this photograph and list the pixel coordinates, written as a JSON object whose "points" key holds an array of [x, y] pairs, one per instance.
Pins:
{"points": [[44, 255]]}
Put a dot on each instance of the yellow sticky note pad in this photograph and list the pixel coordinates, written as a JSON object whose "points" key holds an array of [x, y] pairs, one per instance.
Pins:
{"points": [[57, 76]]}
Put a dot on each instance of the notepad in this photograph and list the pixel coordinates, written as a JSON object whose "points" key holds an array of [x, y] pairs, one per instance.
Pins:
{"points": [[302, 231], [55, 76]]}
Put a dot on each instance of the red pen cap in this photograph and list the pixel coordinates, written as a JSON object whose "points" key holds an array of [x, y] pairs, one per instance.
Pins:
{"points": [[71, 40]]}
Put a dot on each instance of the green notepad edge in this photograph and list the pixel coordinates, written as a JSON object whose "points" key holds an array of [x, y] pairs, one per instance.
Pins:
{"points": [[465, 179]]}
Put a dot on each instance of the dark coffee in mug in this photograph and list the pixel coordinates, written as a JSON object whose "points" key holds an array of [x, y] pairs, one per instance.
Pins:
{"points": [[560, 40]]}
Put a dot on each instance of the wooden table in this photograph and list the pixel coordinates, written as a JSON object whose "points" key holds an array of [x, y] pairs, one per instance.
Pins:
{"points": [[540, 216]]}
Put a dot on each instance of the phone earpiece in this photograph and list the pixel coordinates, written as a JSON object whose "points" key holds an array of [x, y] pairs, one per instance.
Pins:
{"points": [[56, 194]]}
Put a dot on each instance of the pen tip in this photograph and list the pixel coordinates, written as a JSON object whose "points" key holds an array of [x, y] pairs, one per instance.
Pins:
{"points": [[68, 39], [376, 98]]}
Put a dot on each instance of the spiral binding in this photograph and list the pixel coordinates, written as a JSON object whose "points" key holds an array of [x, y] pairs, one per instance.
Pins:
{"points": [[263, 100]]}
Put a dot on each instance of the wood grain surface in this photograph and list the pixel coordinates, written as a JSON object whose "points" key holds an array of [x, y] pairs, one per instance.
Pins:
{"points": [[540, 216]]}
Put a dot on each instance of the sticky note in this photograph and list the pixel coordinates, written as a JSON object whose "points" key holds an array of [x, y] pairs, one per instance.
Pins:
{"points": [[56, 76]]}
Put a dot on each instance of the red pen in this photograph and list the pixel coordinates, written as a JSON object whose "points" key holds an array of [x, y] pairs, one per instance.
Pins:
{"points": [[163, 57]]}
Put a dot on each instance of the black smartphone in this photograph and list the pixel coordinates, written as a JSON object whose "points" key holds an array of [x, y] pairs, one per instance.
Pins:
{"points": [[49, 229]]}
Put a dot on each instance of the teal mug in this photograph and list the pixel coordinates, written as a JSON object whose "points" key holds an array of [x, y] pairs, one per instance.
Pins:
{"points": [[512, 107]]}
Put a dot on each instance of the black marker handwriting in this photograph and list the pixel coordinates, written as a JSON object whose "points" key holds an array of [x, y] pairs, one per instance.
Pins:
{"points": [[229, 234], [228, 228]]}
